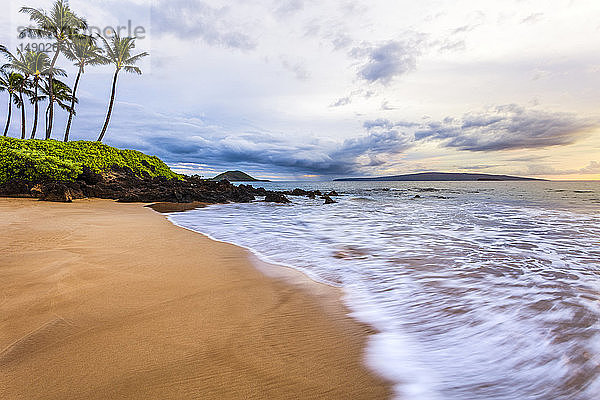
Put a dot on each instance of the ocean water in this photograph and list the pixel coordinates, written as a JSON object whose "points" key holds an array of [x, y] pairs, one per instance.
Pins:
{"points": [[479, 290]]}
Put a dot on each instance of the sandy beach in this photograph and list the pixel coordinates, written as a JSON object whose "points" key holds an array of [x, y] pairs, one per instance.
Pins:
{"points": [[101, 300]]}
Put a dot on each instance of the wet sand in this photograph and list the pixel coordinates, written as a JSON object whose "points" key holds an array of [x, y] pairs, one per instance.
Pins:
{"points": [[100, 300]]}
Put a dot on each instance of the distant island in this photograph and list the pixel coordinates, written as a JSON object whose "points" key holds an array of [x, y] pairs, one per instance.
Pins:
{"points": [[442, 176], [236, 176]]}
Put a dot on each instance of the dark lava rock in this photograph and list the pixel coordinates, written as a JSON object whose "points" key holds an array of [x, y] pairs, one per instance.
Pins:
{"points": [[298, 192], [275, 197], [417, 197], [121, 184], [333, 193], [255, 191], [90, 177], [187, 190], [259, 191], [57, 191], [311, 194], [16, 188], [328, 200]]}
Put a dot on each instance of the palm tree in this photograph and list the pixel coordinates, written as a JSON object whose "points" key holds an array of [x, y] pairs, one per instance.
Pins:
{"points": [[4, 85], [16, 63], [11, 82], [82, 50], [34, 64], [63, 96], [39, 64], [59, 24], [118, 52]]}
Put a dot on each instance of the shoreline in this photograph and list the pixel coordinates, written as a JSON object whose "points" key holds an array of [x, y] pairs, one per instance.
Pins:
{"points": [[105, 300], [258, 261]]}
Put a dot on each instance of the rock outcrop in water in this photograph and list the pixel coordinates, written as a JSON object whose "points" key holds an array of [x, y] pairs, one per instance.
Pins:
{"points": [[301, 192], [328, 200], [312, 194], [274, 197]]}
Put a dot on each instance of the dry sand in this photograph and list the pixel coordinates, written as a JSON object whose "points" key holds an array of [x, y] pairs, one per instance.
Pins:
{"points": [[100, 300]]}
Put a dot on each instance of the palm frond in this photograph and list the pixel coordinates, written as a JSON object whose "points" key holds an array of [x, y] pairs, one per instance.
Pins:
{"points": [[61, 91], [35, 15], [58, 72], [110, 56], [135, 59], [6, 53], [132, 70], [42, 21], [118, 52], [83, 50], [34, 33], [60, 23], [16, 100], [4, 80]]}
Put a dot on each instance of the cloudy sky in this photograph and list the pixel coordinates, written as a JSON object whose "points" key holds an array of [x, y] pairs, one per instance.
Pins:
{"points": [[316, 89]]}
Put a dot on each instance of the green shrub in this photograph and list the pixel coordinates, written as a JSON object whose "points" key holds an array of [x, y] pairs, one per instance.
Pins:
{"points": [[51, 160]]}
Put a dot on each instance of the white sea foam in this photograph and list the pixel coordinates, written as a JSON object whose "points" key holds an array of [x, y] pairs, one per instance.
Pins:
{"points": [[479, 290]]}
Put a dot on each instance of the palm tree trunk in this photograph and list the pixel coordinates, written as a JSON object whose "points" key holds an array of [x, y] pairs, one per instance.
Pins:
{"points": [[10, 97], [73, 104], [22, 112], [51, 79], [35, 111], [110, 106], [47, 112]]}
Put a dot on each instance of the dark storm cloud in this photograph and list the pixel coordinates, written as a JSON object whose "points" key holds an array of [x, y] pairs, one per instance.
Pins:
{"points": [[191, 140], [377, 142], [194, 19], [506, 128], [261, 150], [258, 151], [386, 61]]}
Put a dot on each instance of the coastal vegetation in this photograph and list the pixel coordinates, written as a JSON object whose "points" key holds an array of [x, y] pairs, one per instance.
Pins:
{"points": [[50, 160], [53, 170], [31, 74]]}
